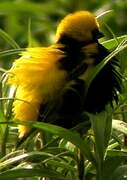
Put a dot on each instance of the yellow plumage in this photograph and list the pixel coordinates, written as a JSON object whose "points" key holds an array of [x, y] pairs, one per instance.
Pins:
{"points": [[78, 25], [37, 78]]}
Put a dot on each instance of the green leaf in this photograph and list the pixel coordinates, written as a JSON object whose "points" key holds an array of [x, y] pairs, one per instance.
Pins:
{"points": [[11, 52], [63, 133], [61, 164], [2, 70], [2, 127], [8, 38], [30, 172], [29, 33], [120, 173], [101, 125], [112, 43], [35, 156], [117, 153], [103, 14], [119, 126], [109, 167]]}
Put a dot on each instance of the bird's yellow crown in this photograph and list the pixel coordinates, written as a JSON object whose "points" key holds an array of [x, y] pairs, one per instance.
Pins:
{"points": [[78, 25]]}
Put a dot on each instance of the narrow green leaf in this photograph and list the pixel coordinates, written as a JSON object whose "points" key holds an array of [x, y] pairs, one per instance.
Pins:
{"points": [[103, 14], [112, 43], [36, 156], [61, 164], [8, 38], [12, 154], [117, 153], [112, 34], [29, 33], [120, 173], [3, 70], [64, 133], [11, 52], [31, 172], [108, 127], [101, 125], [2, 127]]}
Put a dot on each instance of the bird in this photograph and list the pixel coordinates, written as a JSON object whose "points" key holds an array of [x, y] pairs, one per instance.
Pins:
{"points": [[53, 79]]}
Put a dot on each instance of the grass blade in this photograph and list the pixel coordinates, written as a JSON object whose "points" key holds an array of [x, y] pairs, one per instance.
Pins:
{"points": [[8, 38]]}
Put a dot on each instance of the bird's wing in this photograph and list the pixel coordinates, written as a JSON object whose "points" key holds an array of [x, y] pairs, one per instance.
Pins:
{"points": [[37, 77]]}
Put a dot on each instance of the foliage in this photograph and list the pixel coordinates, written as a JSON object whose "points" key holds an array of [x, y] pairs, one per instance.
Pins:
{"points": [[52, 152]]}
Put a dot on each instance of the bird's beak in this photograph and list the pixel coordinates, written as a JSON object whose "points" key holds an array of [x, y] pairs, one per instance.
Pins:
{"points": [[99, 35]]}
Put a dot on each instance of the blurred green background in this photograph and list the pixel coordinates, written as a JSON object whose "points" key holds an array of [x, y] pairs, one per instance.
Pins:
{"points": [[42, 17]]}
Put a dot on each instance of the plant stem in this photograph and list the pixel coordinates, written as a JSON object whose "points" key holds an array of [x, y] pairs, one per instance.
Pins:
{"points": [[81, 167]]}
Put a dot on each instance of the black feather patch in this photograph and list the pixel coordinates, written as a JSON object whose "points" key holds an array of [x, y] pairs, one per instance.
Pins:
{"points": [[106, 85], [72, 100]]}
